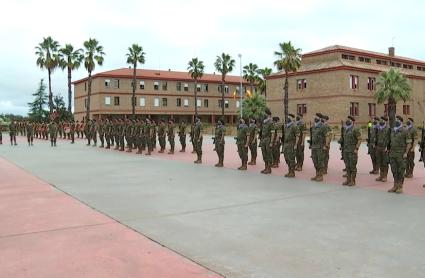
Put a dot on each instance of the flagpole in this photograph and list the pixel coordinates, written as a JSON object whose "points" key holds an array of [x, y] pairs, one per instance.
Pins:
{"points": [[240, 90]]}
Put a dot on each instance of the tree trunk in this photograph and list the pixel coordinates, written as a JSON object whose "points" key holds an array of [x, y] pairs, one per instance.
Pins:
{"points": [[133, 98], [252, 88], [222, 98], [196, 97], [285, 98], [392, 110], [50, 92], [88, 98], [69, 90]]}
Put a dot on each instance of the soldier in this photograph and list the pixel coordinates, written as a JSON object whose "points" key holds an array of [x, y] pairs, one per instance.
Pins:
{"points": [[372, 132], [93, 132], [266, 143], [252, 140], [1, 135], [148, 135], [400, 144], [381, 150], [318, 146], [138, 136], [328, 140], [352, 141], [144, 132], [197, 138], [182, 136], [299, 155], [72, 131], [30, 133], [161, 136], [12, 133], [87, 129], [290, 140], [154, 127], [101, 129], [121, 135], [53, 132], [171, 135], [412, 134], [242, 143], [60, 129], [219, 142], [192, 128], [276, 142]]}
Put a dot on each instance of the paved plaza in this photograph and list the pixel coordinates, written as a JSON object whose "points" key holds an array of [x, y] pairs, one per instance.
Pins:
{"points": [[77, 211]]}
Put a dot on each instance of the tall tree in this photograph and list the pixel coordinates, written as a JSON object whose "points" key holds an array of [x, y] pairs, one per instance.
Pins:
{"points": [[47, 58], [254, 106], [224, 64], [196, 71], [135, 55], [70, 59], [288, 60], [393, 86], [250, 74], [93, 55], [262, 82], [36, 111]]}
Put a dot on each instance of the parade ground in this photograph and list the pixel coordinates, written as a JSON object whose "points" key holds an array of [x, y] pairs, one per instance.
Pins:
{"points": [[78, 211]]}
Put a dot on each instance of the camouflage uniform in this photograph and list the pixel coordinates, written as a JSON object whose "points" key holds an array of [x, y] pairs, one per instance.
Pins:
{"points": [[381, 152], [101, 130], [352, 140], [30, 133], [265, 143], [290, 140], [171, 136], [276, 142], [410, 162], [300, 144], [219, 143], [373, 133], [252, 142], [318, 146], [197, 140], [182, 136], [161, 136], [53, 132], [12, 133]]}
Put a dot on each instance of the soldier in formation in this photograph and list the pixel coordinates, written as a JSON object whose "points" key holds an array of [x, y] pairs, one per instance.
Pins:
{"points": [[242, 143], [290, 140], [219, 142], [182, 136]]}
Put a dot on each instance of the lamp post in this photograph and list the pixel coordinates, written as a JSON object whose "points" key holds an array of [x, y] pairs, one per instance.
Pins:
{"points": [[240, 89]]}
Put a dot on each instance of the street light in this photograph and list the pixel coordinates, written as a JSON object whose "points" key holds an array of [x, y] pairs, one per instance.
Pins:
{"points": [[240, 89]]}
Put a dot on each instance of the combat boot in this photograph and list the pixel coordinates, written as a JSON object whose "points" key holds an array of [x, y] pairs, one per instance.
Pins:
{"points": [[325, 170], [291, 173], [268, 169], [353, 180], [298, 168], [171, 152], [399, 189], [384, 175], [251, 162], [264, 170], [394, 188], [315, 177], [348, 181], [275, 165], [408, 175], [244, 167], [319, 175], [380, 178]]}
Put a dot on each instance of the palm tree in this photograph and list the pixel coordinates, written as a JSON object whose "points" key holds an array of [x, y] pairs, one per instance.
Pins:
{"points": [[224, 64], [250, 74], [47, 52], [70, 59], [93, 55], [393, 86], [288, 60], [262, 83], [254, 106], [135, 55], [196, 71]]}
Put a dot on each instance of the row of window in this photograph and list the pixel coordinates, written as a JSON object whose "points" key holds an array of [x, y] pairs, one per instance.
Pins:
{"points": [[353, 83], [157, 102], [354, 109], [381, 62]]}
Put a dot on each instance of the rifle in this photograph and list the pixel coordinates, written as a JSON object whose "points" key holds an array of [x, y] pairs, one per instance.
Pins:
{"points": [[422, 144], [341, 140], [310, 141], [368, 138]]}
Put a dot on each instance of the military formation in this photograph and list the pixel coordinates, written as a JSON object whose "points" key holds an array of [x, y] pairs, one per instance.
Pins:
{"points": [[389, 148]]}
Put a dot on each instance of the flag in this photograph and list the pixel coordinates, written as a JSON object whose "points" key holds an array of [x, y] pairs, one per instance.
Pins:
{"points": [[234, 94], [248, 93]]}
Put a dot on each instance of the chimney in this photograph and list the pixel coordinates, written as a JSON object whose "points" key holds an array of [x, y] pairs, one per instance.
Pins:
{"points": [[391, 51]]}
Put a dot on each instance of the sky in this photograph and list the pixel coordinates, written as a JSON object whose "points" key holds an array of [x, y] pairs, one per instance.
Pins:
{"points": [[173, 32]]}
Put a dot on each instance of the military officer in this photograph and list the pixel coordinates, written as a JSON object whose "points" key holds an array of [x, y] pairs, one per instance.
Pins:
{"points": [[290, 140], [87, 130], [400, 144], [129, 135], [182, 136], [53, 132], [93, 132], [413, 135], [30, 133], [299, 155], [12, 133], [252, 140], [197, 138], [352, 141], [381, 150], [328, 141], [101, 130], [171, 136], [192, 129], [138, 136], [371, 144], [148, 136], [242, 143], [219, 142], [121, 134], [266, 142], [161, 136], [276, 142], [318, 146]]}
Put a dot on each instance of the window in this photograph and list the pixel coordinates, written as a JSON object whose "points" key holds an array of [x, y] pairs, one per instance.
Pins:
{"points": [[156, 102], [395, 64], [407, 66], [142, 85], [116, 101], [205, 87], [226, 89], [371, 83], [354, 82], [421, 68], [179, 102], [226, 104], [198, 87], [406, 109], [142, 101], [364, 59], [206, 103], [354, 109], [301, 84], [386, 110], [179, 86], [186, 87], [238, 104], [372, 109], [107, 83], [85, 103], [220, 103], [156, 85], [198, 103], [107, 100], [164, 86], [347, 57], [164, 101], [115, 83], [302, 109], [382, 62], [185, 102]]}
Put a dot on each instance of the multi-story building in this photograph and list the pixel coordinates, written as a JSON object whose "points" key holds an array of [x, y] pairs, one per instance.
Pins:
{"points": [[340, 81], [159, 94]]}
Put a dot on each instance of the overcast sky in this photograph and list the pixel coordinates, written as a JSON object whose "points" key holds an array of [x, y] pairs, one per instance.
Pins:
{"points": [[172, 32]]}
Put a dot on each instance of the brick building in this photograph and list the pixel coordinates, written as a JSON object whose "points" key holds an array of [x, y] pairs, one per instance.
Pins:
{"points": [[341, 81], [159, 94]]}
